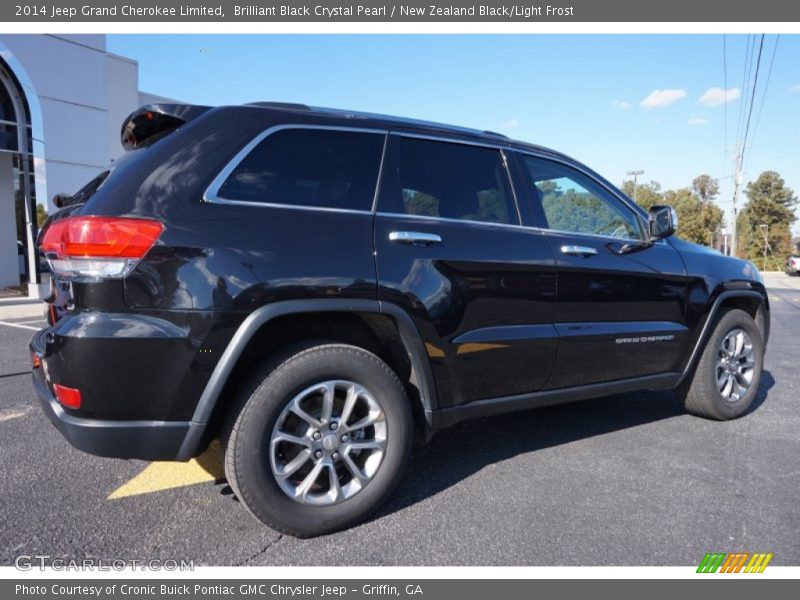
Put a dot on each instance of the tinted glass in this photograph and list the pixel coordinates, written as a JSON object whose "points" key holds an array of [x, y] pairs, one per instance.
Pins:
{"points": [[449, 180], [88, 190], [573, 202], [309, 167]]}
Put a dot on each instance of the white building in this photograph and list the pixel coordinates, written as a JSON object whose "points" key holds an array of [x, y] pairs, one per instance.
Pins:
{"points": [[62, 102]]}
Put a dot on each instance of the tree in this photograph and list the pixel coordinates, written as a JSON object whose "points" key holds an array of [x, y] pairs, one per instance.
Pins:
{"points": [[706, 188], [698, 221], [770, 203], [41, 216], [647, 194]]}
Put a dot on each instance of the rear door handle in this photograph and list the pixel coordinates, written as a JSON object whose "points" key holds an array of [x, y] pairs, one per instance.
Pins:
{"points": [[415, 238], [578, 250]]}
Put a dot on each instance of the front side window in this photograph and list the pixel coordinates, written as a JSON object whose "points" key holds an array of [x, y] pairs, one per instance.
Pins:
{"points": [[449, 180], [572, 202], [318, 168]]}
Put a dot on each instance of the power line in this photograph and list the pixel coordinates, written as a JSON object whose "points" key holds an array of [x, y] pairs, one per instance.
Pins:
{"points": [[753, 95], [725, 107], [766, 87], [748, 61], [741, 150]]}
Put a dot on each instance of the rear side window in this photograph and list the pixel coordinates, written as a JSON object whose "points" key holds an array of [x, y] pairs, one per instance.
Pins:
{"points": [[309, 167], [449, 180]]}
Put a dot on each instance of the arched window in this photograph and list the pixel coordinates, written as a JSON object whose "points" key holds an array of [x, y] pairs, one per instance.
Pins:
{"points": [[8, 120], [17, 192]]}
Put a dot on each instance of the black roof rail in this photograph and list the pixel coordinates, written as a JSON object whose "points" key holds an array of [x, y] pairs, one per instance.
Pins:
{"points": [[494, 133], [281, 105]]}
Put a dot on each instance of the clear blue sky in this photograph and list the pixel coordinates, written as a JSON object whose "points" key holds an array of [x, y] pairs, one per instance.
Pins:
{"points": [[581, 94]]}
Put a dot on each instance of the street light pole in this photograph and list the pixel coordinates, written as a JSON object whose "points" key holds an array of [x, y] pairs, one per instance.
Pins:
{"points": [[635, 173], [765, 229]]}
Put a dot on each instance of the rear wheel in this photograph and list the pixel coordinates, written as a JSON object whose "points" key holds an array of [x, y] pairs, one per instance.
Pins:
{"points": [[320, 440], [726, 380]]}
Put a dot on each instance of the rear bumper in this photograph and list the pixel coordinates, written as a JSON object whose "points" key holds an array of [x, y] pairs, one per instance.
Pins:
{"points": [[147, 440]]}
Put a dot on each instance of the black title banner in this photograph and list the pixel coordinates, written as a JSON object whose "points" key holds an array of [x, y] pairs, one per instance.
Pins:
{"points": [[353, 589], [410, 11]]}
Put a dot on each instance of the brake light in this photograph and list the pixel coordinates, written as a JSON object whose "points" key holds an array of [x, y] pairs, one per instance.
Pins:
{"points": [[89, 246], [69, 397]]}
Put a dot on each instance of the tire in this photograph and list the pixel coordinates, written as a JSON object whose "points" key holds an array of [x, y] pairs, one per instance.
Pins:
{"points": [[704, 397], [260, 453]]}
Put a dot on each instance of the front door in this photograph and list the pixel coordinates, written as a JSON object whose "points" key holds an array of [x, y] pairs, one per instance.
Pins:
{"points": [[620, 302]]}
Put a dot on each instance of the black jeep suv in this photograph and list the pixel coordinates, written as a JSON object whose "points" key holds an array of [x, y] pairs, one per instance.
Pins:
{"points": [[318, 288]]}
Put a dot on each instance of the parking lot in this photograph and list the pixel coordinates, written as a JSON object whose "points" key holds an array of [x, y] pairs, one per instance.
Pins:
{"points": [[625, 480]]}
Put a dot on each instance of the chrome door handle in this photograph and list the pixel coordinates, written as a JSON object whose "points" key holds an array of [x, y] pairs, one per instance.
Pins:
{"points": [[415, 238], [578, 250]]}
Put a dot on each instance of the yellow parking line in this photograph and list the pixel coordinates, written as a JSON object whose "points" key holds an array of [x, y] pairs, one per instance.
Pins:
{"points": [[159, 476], [434, 351], [478, 347]]}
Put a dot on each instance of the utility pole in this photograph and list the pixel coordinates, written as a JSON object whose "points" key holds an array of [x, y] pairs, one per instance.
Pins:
{"points": [[737, 181], [634, 174], [765, 229]]}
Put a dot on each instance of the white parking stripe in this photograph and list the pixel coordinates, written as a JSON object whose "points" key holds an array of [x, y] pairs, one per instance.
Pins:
{"points": [[18, 326], [8, 414], [29, 322]]}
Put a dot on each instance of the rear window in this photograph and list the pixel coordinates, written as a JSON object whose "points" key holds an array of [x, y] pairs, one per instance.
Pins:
{"points": [[87, 191], [450, 180], [309, 167]]}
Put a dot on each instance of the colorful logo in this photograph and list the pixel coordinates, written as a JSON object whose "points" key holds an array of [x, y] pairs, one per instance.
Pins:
{"points": [[735, 562]]}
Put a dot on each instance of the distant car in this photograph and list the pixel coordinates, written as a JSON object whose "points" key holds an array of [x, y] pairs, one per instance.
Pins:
{"points": [[792, 265]]}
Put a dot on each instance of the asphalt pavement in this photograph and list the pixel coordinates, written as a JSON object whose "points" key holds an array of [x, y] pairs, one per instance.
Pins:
{"points": [[624, 480]]}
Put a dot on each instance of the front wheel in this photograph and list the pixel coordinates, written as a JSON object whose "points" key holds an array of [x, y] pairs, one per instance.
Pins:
{"points": [[320, 441], [726, 380]]}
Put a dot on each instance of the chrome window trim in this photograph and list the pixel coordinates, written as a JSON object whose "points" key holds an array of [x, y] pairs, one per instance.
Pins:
{"points": [[533, 228], [598, 236], [465, 221], [211, 195], [625, 202], [353, 211], [449, 139]]}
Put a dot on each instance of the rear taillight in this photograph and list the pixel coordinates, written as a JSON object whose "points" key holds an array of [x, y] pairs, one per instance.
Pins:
{"points": [[69, 397], [87, 246]]}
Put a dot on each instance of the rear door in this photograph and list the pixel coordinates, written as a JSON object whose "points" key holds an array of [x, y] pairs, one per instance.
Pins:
{"points": [[620, 302], [450, 250]]}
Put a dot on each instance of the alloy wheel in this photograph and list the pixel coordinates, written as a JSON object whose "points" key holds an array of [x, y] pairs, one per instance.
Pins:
{"points": [[735, 365], [328, 443]]}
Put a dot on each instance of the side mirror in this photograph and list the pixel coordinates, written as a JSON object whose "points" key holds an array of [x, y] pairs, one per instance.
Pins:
{"points": [[662, 221]]}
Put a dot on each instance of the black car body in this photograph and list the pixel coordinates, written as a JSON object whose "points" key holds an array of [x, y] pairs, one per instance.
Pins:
{"points": [[488, 274]]}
